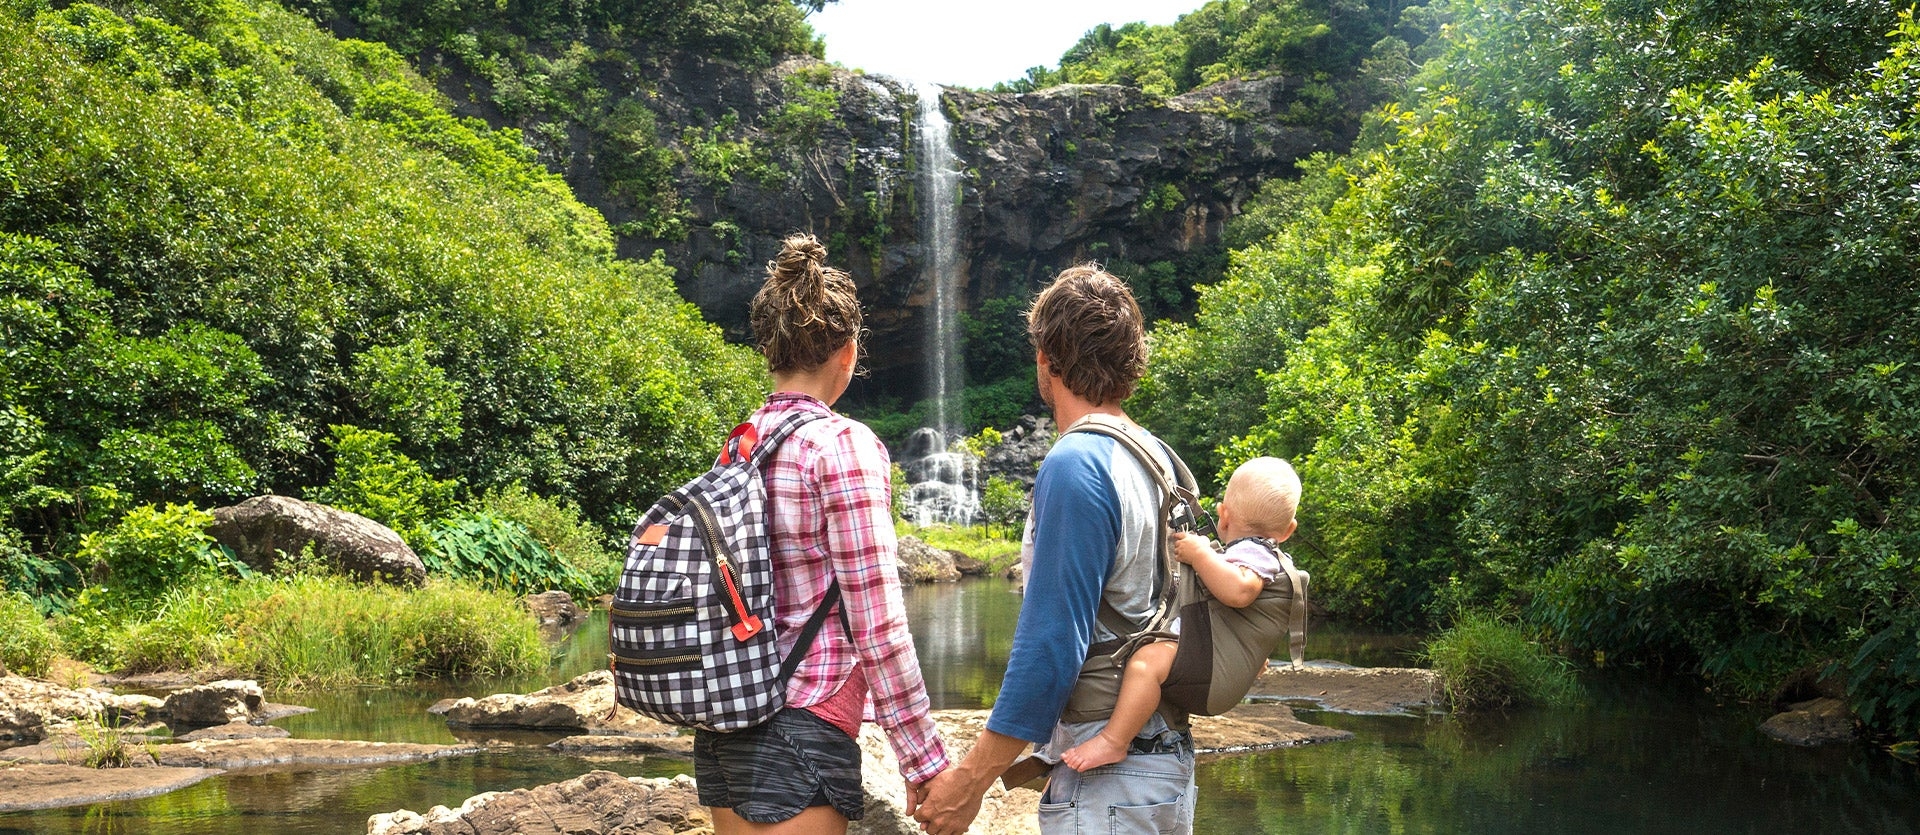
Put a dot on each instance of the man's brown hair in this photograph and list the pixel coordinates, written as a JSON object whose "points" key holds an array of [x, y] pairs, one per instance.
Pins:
{"points": [[806, 310], [1091, 331]]}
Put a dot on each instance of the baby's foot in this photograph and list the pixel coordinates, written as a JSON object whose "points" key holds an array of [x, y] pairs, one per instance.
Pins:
{"points": [[1094, 753]]}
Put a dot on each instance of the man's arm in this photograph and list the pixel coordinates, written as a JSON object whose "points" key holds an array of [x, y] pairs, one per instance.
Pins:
{"points": [[953, 796], [1075, 527]]}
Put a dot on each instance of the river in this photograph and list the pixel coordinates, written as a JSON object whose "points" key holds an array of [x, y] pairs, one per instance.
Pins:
{"points": [[1638, 756]]}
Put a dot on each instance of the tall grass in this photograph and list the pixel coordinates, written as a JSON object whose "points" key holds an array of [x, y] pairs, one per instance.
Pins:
{"points": [[323, 631], [1486, 663], [976, 542], [27, 643]]}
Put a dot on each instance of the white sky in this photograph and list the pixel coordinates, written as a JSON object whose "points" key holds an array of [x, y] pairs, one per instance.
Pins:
{"points": [[971, 44]]}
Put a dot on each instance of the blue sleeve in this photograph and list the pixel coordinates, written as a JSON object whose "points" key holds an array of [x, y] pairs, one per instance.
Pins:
{"points": [[1076, 531]]}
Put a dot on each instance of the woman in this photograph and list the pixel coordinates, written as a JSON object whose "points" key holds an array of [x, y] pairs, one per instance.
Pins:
{"points": [[828, 490]]}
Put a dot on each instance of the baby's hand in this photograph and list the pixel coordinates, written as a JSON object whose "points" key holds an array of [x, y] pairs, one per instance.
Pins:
{"points": [[1191, 547]]}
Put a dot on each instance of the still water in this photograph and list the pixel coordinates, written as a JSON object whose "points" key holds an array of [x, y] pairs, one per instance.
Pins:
{"points": [[1637, 757]]}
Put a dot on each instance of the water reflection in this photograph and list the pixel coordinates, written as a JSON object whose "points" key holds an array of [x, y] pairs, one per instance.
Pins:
{"points": [[1639, 756]]}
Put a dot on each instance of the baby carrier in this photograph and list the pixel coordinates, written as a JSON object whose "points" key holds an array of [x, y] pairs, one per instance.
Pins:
{"points": [[1222, 649]]}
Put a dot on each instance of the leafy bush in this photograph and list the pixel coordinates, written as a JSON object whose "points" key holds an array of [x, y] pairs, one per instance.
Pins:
{"points": [[153, 549], [1004, 503], [27, 642], [1600, 326], [375, 480], [563, 531], [227, 231], [479, 546], [1485, 663]]}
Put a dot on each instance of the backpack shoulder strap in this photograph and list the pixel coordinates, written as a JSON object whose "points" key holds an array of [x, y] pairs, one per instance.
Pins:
{"points": [[746, 443], [1178, 497]]}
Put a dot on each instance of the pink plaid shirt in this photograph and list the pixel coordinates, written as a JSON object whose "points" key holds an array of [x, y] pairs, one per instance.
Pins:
{"points": [[829, 486]]}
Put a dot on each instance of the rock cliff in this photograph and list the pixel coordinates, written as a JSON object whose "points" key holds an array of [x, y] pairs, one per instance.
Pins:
{"points": [[710, 165]]}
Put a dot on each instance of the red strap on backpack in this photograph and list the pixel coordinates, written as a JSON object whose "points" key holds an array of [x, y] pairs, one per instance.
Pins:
{"points": [[739, 444]]}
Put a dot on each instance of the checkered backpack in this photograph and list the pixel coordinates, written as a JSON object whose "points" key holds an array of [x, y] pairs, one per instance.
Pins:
{"points": [[690, 621]]}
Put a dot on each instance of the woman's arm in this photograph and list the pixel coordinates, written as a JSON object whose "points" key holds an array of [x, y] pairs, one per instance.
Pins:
{"points": [[854, 490]]}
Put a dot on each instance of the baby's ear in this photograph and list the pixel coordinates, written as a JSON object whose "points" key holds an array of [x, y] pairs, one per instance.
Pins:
{"points": [[1291, 525]]}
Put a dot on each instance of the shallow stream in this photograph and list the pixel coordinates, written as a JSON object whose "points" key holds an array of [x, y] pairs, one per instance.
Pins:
{"points": [[1638, 757]]}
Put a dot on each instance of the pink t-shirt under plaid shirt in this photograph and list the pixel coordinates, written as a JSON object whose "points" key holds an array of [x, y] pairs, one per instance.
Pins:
{"points": [[829, 489]]}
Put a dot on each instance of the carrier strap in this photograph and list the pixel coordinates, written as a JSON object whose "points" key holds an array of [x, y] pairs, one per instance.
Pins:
{"points": [[1179, 498], [1296, 605]]}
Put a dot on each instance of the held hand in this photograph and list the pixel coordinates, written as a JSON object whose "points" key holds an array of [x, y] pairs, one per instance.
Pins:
{"points": [[948, 805], [916, 795], [1191, 548]]}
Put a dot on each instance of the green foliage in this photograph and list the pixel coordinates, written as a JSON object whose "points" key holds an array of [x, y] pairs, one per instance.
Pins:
{"points": [[1601, 326], [1311, 40], [989, 547], [106, 743], [1486, 663], [402, 391], [320, 631], [994, 339], [27, 642], [559, 527], [1005, 505], [751, 32], [481, 547], [153, 549], [375, 480], [222, 231]]}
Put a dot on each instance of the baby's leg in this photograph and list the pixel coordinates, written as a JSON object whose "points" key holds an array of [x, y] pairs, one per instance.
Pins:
{"points": [[1139, 697]]}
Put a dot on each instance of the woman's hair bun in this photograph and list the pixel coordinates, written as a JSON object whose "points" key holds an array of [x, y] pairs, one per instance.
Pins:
{"points": [[801, 255]]}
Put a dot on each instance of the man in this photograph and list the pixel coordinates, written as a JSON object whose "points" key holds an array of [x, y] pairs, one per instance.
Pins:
{"points": [[1091, 538]]}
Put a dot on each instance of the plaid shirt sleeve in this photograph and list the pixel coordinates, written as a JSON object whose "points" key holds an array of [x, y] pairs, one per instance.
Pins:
{"points": [[856, 490]]}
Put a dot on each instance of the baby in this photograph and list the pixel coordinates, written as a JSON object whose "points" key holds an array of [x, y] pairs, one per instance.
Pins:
{"points": [[1258, 505]]}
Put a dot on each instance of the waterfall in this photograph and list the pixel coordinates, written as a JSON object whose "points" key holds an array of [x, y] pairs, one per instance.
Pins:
{"points": [[940, 242], [945, 484]]}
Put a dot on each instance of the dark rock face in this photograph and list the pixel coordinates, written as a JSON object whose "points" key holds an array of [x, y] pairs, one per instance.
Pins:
{"points": [[1018, 455], [263, 529], [1051, 179]]}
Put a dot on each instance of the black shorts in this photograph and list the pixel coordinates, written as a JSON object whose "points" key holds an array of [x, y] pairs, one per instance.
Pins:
{"points": [[773, 771]]}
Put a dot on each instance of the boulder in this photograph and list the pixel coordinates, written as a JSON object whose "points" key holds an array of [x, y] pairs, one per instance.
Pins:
{"points": [[264, 529], [215, 703], [592, 804], [554, 609], [1812, 722], [923, 563], [584, 704], [29, 787], [968, 566], [31, 709]]}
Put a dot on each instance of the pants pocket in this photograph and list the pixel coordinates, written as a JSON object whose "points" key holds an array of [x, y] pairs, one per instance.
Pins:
{"points": [[1158, 818]]}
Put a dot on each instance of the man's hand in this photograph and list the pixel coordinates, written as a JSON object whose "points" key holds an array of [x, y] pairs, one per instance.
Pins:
{"points": [[949, 804]]}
